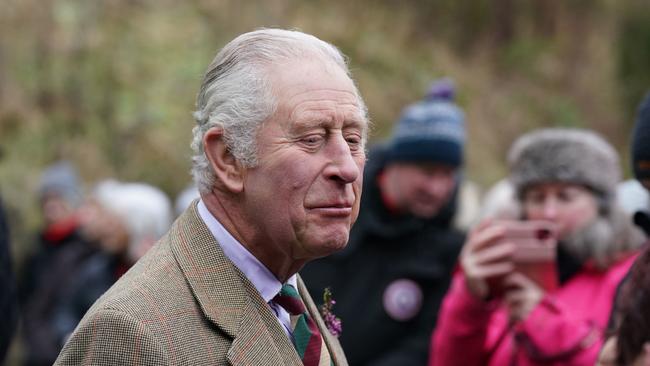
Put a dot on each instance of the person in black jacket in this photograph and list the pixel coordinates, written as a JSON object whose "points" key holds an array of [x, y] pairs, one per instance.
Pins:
{"points": [[630, 320], [640, 153], [388, 282], [60, 250], [8, 294]]}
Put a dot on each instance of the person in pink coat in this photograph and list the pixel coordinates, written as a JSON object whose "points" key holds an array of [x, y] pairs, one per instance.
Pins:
{"points": [[567, 178]]}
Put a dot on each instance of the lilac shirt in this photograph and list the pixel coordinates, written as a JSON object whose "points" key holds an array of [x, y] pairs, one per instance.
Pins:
{"points": [[264, 281]]}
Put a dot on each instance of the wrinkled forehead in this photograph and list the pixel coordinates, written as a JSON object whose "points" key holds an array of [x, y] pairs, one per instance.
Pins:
{"points": [[311, 84], [327, 104]]}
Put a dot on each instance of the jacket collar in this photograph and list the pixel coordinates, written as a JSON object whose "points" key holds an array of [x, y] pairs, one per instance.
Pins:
{"points": [[227, 298]]}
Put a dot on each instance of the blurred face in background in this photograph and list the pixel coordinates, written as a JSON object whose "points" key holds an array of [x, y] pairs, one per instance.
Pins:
{"points": [[419, 188], [570, 206], [55, 208], [103, 227]]}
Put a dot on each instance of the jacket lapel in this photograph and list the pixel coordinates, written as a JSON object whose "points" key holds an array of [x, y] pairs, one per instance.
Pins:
{"points": [[227, 298], [265, 329], [333, 344]]}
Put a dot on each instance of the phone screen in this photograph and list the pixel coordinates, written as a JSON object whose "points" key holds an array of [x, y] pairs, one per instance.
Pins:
{"points": [[534, 256]]}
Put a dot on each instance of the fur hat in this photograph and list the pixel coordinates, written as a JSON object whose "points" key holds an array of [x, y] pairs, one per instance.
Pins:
{"points": [[565, 155]]}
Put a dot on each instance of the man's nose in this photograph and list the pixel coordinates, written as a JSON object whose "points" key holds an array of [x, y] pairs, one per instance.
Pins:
{"points": [[436, 186], [343, 166]]}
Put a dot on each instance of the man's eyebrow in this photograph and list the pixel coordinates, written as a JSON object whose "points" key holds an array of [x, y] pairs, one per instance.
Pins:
{"points": [[314, 119], [312, 123], [307, 122], [356, 121]]}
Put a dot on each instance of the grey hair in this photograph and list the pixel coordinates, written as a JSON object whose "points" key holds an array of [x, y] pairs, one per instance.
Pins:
{"points": [[237, 97]]}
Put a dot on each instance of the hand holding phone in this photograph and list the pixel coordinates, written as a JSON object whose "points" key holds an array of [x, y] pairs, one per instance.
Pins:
{"points": [[534, 254], [485, 256]]}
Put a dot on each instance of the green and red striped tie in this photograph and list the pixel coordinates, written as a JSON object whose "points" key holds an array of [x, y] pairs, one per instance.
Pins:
{"points": [[306, 336]]}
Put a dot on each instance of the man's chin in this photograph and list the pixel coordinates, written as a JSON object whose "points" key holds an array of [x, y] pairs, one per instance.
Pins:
{"points": [[425, 212], [334, 243]]}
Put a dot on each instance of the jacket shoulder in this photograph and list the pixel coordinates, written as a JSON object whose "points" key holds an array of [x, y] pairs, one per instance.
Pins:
{"points": [[131, 322], [111, 337], [154, 281]]}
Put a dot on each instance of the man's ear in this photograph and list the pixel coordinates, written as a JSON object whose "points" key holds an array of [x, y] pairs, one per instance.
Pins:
{"points": [[227, 169]]}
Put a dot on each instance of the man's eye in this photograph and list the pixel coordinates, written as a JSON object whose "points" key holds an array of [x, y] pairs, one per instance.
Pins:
{"points": [[353, 141], [312, 139]]}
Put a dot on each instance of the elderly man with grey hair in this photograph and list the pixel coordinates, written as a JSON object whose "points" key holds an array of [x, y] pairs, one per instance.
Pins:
{"points": [[279, 157]]}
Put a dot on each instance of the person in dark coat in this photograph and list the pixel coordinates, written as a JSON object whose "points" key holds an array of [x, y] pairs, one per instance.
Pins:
{"points": [[59, 197], [60, 250], [388, 282], [630, 320], [125, 219], [8, 295], [640, 152]]}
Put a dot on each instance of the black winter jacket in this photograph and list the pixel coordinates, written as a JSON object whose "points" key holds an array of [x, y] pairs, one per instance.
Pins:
{"points": [[390, 279]]}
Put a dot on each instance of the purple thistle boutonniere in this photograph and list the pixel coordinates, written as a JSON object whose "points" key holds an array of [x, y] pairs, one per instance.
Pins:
{"points": [[332, 321]]}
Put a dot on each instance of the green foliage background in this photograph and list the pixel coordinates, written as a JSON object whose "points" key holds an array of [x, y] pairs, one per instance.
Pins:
{"points": [[111, 84]]}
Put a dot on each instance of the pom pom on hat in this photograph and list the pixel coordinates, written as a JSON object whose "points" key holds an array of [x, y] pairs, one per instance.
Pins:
{"points": [[442, 89]]}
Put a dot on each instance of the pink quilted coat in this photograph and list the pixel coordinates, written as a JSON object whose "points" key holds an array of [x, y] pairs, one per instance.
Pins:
{"points": [[566, 328]]}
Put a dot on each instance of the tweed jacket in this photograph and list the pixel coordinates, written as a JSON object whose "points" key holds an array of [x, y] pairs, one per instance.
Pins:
{"points": [[185, 303]]}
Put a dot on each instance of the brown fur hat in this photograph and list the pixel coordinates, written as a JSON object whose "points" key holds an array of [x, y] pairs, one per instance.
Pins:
{"points": [[565, 155]]}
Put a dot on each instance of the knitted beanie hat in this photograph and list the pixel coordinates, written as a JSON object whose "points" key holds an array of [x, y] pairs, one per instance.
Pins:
{"points": [[641, 141], [565, 155], [61, 179], [432, 129]]}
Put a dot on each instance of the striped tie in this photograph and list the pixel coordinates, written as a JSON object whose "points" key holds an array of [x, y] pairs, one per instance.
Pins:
{"points": [[306, 337]]}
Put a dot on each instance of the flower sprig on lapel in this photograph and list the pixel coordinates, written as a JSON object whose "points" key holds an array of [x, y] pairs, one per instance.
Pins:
{"points": [[332, 321]]}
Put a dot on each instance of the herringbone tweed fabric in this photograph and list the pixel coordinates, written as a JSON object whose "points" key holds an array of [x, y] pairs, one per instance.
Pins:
{"points": [[185, 303]]}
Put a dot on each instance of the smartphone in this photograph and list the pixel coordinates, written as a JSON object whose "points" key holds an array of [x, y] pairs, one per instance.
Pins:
{"points": [[534, 256]]}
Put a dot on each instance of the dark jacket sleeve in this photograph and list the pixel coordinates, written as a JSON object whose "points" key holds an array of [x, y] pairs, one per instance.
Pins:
{"points": [[8, 301]]}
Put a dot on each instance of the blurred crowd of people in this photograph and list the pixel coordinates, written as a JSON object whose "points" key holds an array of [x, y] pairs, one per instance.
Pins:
{"points": [[429, 292], [411, 287], [88, 241]]}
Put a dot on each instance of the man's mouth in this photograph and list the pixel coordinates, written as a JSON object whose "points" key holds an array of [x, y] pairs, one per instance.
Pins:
{"points": [[342, 209]]}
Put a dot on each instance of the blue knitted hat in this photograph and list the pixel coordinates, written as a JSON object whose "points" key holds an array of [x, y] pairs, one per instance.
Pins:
{"points": [[61, 179], [641, 141], [431, 130]]}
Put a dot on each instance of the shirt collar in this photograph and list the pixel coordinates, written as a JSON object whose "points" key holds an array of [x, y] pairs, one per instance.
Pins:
{"points": [[264, 281]]}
